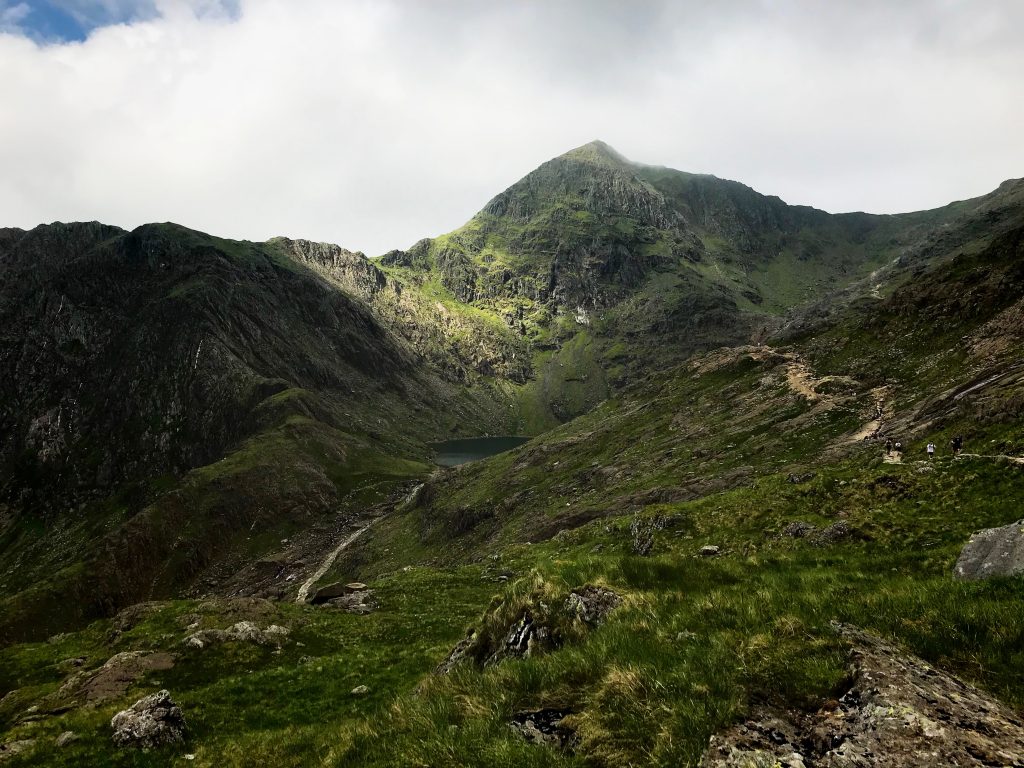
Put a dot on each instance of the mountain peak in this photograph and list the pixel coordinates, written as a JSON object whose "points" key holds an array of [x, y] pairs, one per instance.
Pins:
{"points": [[597, 152]]}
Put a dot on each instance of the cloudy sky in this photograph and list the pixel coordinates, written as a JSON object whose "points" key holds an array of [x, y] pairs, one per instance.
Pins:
{"points": [[372, 123]]}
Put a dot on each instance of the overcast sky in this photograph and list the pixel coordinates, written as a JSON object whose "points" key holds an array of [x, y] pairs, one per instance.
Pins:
{"points": [[373, 123]]}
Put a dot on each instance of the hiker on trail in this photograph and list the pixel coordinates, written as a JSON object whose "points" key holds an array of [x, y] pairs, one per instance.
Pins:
{"points": [[930, 449], [958, 445], [888, 446], [879, 412]]}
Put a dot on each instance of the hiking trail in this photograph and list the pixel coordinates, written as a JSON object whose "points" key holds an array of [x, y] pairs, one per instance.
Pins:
{"points": [[328, 561]]}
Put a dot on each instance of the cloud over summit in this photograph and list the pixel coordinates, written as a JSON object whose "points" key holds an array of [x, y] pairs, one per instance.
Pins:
{"points": [[372, 123]]}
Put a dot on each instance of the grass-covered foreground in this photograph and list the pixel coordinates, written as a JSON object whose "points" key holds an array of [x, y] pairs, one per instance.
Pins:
{"points": [[695, 643]]}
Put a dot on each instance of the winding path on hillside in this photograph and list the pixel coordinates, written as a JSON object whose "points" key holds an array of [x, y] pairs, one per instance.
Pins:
{"points": [[328, 561], [802, 380]]}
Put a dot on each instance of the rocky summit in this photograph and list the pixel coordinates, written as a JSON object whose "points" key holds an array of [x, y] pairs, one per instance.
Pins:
{"points": [[725, 542]]}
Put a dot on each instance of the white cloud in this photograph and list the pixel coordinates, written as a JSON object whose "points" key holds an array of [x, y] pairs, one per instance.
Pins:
{"points": [[11, 16], [372, 123]]}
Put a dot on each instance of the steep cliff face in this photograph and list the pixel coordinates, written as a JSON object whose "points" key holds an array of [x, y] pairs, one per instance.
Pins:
{"points": [[461, 345], [135, 354], [169, 395]]}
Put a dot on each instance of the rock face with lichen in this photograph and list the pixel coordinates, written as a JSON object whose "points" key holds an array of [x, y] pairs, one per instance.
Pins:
{"points": [[899, 712], [150, 722], [992, 552]]}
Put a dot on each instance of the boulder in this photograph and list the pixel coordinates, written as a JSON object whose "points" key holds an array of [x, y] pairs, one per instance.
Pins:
{"points": [[246, 631], [150, 722], [336, 590], [592, 604], [66, 738], [643, 537], [360, 601], [992, 552], [710, 550], [831, 534], [798, 529]]}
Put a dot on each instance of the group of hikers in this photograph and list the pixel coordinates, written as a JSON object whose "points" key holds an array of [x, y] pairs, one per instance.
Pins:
{"points": [[956, 445], [895, 447]]}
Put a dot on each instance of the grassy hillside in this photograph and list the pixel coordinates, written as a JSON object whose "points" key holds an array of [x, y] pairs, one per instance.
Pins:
{"points": [[770, 453]]}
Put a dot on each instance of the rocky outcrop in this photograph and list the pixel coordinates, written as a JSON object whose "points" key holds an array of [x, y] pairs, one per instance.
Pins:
{"points": [[899, 712], [457, 654], [151, 722], [992, 552], [592, 604], [523, 627], [354, 597], [17, 747], [544, 726], [243, 632]]}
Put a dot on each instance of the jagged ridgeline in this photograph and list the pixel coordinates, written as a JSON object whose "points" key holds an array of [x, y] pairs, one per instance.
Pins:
{"points": [[611, 269], [174, 404]]}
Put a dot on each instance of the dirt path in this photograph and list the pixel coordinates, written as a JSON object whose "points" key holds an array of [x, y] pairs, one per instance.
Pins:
{"points": [[801, 380], [328, 561]]}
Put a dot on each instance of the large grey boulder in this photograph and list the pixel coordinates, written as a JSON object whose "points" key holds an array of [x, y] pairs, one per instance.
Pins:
{"points": [[150, 722], [992, 552]]}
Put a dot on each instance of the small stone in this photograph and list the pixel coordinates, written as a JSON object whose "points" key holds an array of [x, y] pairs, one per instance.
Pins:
{"points": [[710, 550], [360, 690], [66, 738], [798, 529]]}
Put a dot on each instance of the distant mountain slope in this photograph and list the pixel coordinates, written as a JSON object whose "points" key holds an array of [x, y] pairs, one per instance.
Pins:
{"points": [[941, 354], [133, 359], [609, 268]]}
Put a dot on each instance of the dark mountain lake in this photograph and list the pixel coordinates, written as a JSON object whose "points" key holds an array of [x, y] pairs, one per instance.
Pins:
{"points": [[451, 453]]}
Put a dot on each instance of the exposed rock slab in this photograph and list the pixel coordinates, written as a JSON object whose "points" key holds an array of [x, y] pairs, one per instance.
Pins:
{"points": [[544, 726], [899, 713], [115, 676], [242, 631], [150, 722], [359, 601], [992, 552]]}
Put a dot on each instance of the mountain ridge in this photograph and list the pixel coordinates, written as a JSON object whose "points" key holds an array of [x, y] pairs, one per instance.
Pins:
{"points": [[197, 434]]}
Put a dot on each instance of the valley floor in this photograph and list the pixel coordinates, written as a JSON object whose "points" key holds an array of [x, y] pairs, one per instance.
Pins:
{"points": [[696, 643]]}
